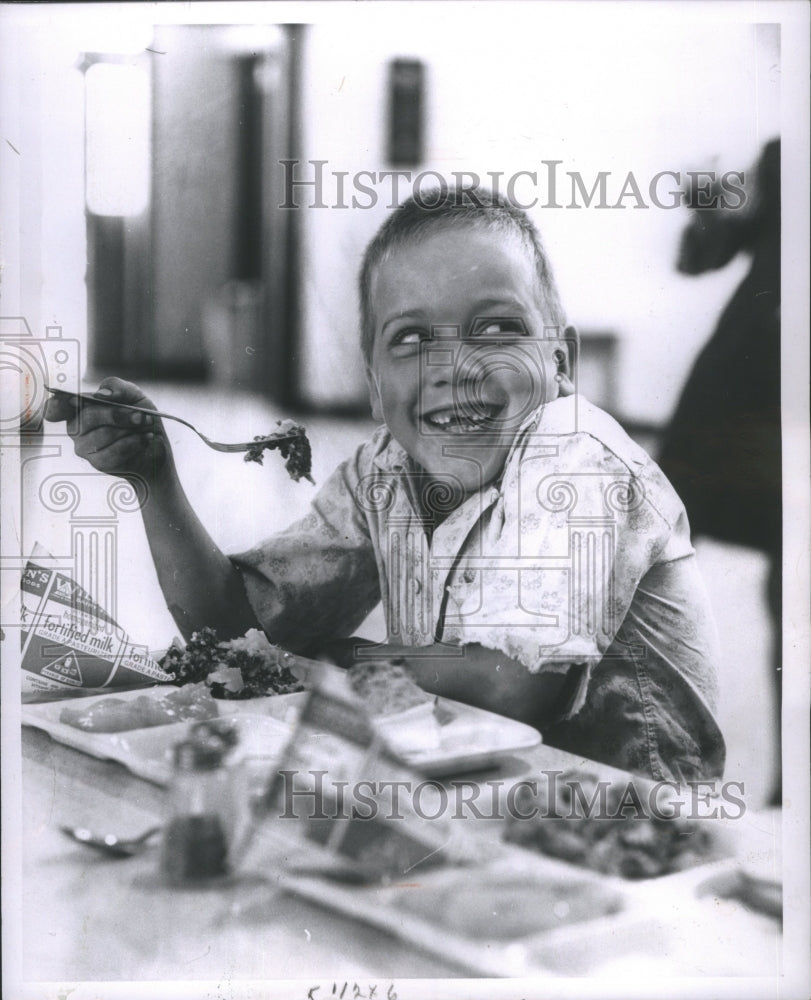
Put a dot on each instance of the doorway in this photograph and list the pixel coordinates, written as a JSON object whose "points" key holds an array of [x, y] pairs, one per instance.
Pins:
{"points": [[200, 283]]}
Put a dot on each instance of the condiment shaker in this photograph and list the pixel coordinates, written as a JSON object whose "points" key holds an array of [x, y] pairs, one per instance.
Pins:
{"points": [[196, 838]]}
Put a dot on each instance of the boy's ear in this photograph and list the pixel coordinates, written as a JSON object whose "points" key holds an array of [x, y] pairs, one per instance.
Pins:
{"points": [[569, 344], [565, 356]]}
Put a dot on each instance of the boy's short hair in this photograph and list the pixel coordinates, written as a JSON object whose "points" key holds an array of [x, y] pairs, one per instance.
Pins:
{"points": [[443, 208]]}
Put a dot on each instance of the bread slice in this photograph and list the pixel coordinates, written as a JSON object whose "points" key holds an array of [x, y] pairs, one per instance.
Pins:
{"points": [[386, 686]]}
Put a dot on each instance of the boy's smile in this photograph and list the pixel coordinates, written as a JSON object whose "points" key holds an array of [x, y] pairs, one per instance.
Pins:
{"points": [[459, 360]]}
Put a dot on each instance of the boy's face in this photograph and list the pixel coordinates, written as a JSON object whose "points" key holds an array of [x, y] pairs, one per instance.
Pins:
{"points": [[459, 358]]}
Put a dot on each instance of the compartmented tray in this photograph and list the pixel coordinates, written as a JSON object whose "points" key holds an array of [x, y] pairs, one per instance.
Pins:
{"points": [[471, 738], [502, 919], [523, 914], [147, 753], [520, 913], [517, 912]]}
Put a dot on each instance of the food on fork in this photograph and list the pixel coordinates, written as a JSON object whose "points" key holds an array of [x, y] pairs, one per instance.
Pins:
{"points": [[290, 438], [295, 449], [116, 715]]}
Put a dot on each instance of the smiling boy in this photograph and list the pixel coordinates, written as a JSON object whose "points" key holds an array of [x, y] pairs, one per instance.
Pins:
{"points": [[530, 558], [475, 295]]}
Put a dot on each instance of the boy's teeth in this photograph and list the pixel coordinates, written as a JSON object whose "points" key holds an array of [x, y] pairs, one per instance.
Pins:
{"points": [[448, 420]]}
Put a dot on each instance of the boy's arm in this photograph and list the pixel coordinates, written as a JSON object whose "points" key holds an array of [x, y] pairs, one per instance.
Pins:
{"points": [[472, 674], [199, 582]]}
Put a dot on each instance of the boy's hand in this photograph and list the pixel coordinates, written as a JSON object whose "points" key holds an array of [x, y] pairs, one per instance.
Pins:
{"points": [[114, 441]]}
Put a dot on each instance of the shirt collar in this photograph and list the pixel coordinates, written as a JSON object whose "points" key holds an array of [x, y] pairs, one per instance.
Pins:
{"points": [[392, 456]]}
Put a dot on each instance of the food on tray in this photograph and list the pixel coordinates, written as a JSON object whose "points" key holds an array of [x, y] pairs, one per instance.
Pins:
{"points": [[505, 907], [598, 825], [215, 732], [116, 715], [386, 686], [403, 713], [249, 667], [291, 440]]}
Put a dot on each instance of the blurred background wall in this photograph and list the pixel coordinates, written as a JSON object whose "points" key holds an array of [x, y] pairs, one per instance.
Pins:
{"points": [[503, 90], [526, 88]]}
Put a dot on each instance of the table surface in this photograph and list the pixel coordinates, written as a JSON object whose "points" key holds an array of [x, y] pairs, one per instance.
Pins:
{"points": [[86, 917]]}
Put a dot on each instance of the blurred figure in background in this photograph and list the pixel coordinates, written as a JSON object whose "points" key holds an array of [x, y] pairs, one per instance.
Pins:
{"points": [[722, 451]]}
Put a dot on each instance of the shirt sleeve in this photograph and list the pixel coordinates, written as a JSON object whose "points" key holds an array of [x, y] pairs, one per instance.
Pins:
{"points": [[649, 705], [318, 579]]}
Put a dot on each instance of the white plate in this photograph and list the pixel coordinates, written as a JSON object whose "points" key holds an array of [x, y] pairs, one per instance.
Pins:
{"points": [[472, 740]]}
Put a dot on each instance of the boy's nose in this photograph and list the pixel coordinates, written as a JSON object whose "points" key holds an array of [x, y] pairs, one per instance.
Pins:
{"points": [[445, 359], [476, 363]]}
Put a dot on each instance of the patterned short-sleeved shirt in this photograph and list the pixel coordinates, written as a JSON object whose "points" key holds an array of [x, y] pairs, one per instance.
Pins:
{"points": [[578, 560]]}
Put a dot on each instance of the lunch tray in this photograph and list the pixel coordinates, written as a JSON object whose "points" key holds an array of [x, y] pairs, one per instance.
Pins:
{"points": [[472, 738], [677, 923], [663, 920], [658, 919]]}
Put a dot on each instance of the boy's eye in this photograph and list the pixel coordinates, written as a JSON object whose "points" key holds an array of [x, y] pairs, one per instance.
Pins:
{"points": [[409, 336], [498, 329]]}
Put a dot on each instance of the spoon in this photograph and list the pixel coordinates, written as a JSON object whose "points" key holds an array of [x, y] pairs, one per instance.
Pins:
{"points": [[110, 844], [120, 847]]}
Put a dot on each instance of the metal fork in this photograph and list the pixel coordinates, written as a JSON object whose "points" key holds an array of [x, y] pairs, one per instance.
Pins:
{"points": [[277, 438]]}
